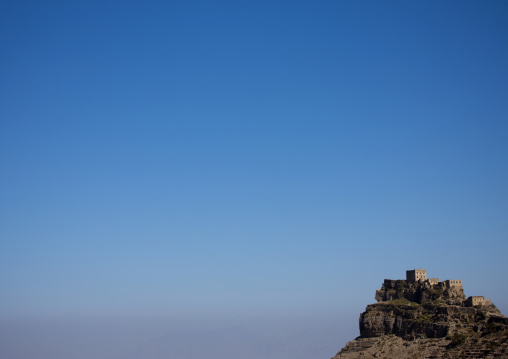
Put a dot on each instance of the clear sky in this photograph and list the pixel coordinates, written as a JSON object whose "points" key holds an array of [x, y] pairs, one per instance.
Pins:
{"points": [[253, 164]]}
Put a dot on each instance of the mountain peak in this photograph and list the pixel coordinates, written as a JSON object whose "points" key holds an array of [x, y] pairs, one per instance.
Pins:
{"points": [[427, 318]]}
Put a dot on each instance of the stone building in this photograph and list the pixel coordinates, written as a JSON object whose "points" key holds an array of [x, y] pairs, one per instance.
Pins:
{"points": [[474, 301], [416, 275], [453, 283], [420, 275], [433, 281]]}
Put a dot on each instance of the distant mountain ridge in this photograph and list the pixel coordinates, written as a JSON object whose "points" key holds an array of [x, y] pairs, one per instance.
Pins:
{"points": [[424, 318]]}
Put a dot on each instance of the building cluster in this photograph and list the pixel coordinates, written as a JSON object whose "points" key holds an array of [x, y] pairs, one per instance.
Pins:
{"points": [[420, 275]]}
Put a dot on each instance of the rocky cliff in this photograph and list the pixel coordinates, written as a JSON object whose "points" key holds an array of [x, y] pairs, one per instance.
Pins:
{"points": [[427, 320]]}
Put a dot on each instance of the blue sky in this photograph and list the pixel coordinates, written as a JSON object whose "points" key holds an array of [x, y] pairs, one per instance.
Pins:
{"points": [[247, 161]]}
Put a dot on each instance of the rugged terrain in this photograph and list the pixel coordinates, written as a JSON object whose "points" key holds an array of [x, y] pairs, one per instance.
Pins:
{"points": [[422, 320]]}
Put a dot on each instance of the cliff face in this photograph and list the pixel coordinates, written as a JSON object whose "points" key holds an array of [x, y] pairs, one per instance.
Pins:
{"points": [[414, 321], [422, 320]]}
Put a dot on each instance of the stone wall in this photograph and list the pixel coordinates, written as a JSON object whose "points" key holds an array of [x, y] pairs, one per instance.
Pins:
{"points": [[453, 283], [477, 300]]}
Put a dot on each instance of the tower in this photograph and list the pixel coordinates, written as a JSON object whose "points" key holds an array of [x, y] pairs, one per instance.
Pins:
{"points": [[416, 275]]}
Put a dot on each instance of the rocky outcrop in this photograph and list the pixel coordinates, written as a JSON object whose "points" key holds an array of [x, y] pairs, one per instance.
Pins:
{"points": [[407, 321], [419, 292], [410, 320], [421, 320]]}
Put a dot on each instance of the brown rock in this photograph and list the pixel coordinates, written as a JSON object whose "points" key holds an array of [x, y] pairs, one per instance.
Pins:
{"points": [[425, 320]]}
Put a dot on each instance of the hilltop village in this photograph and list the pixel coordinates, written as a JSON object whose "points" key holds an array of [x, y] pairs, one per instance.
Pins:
{"points": [[453, 286], [423, 318]]}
